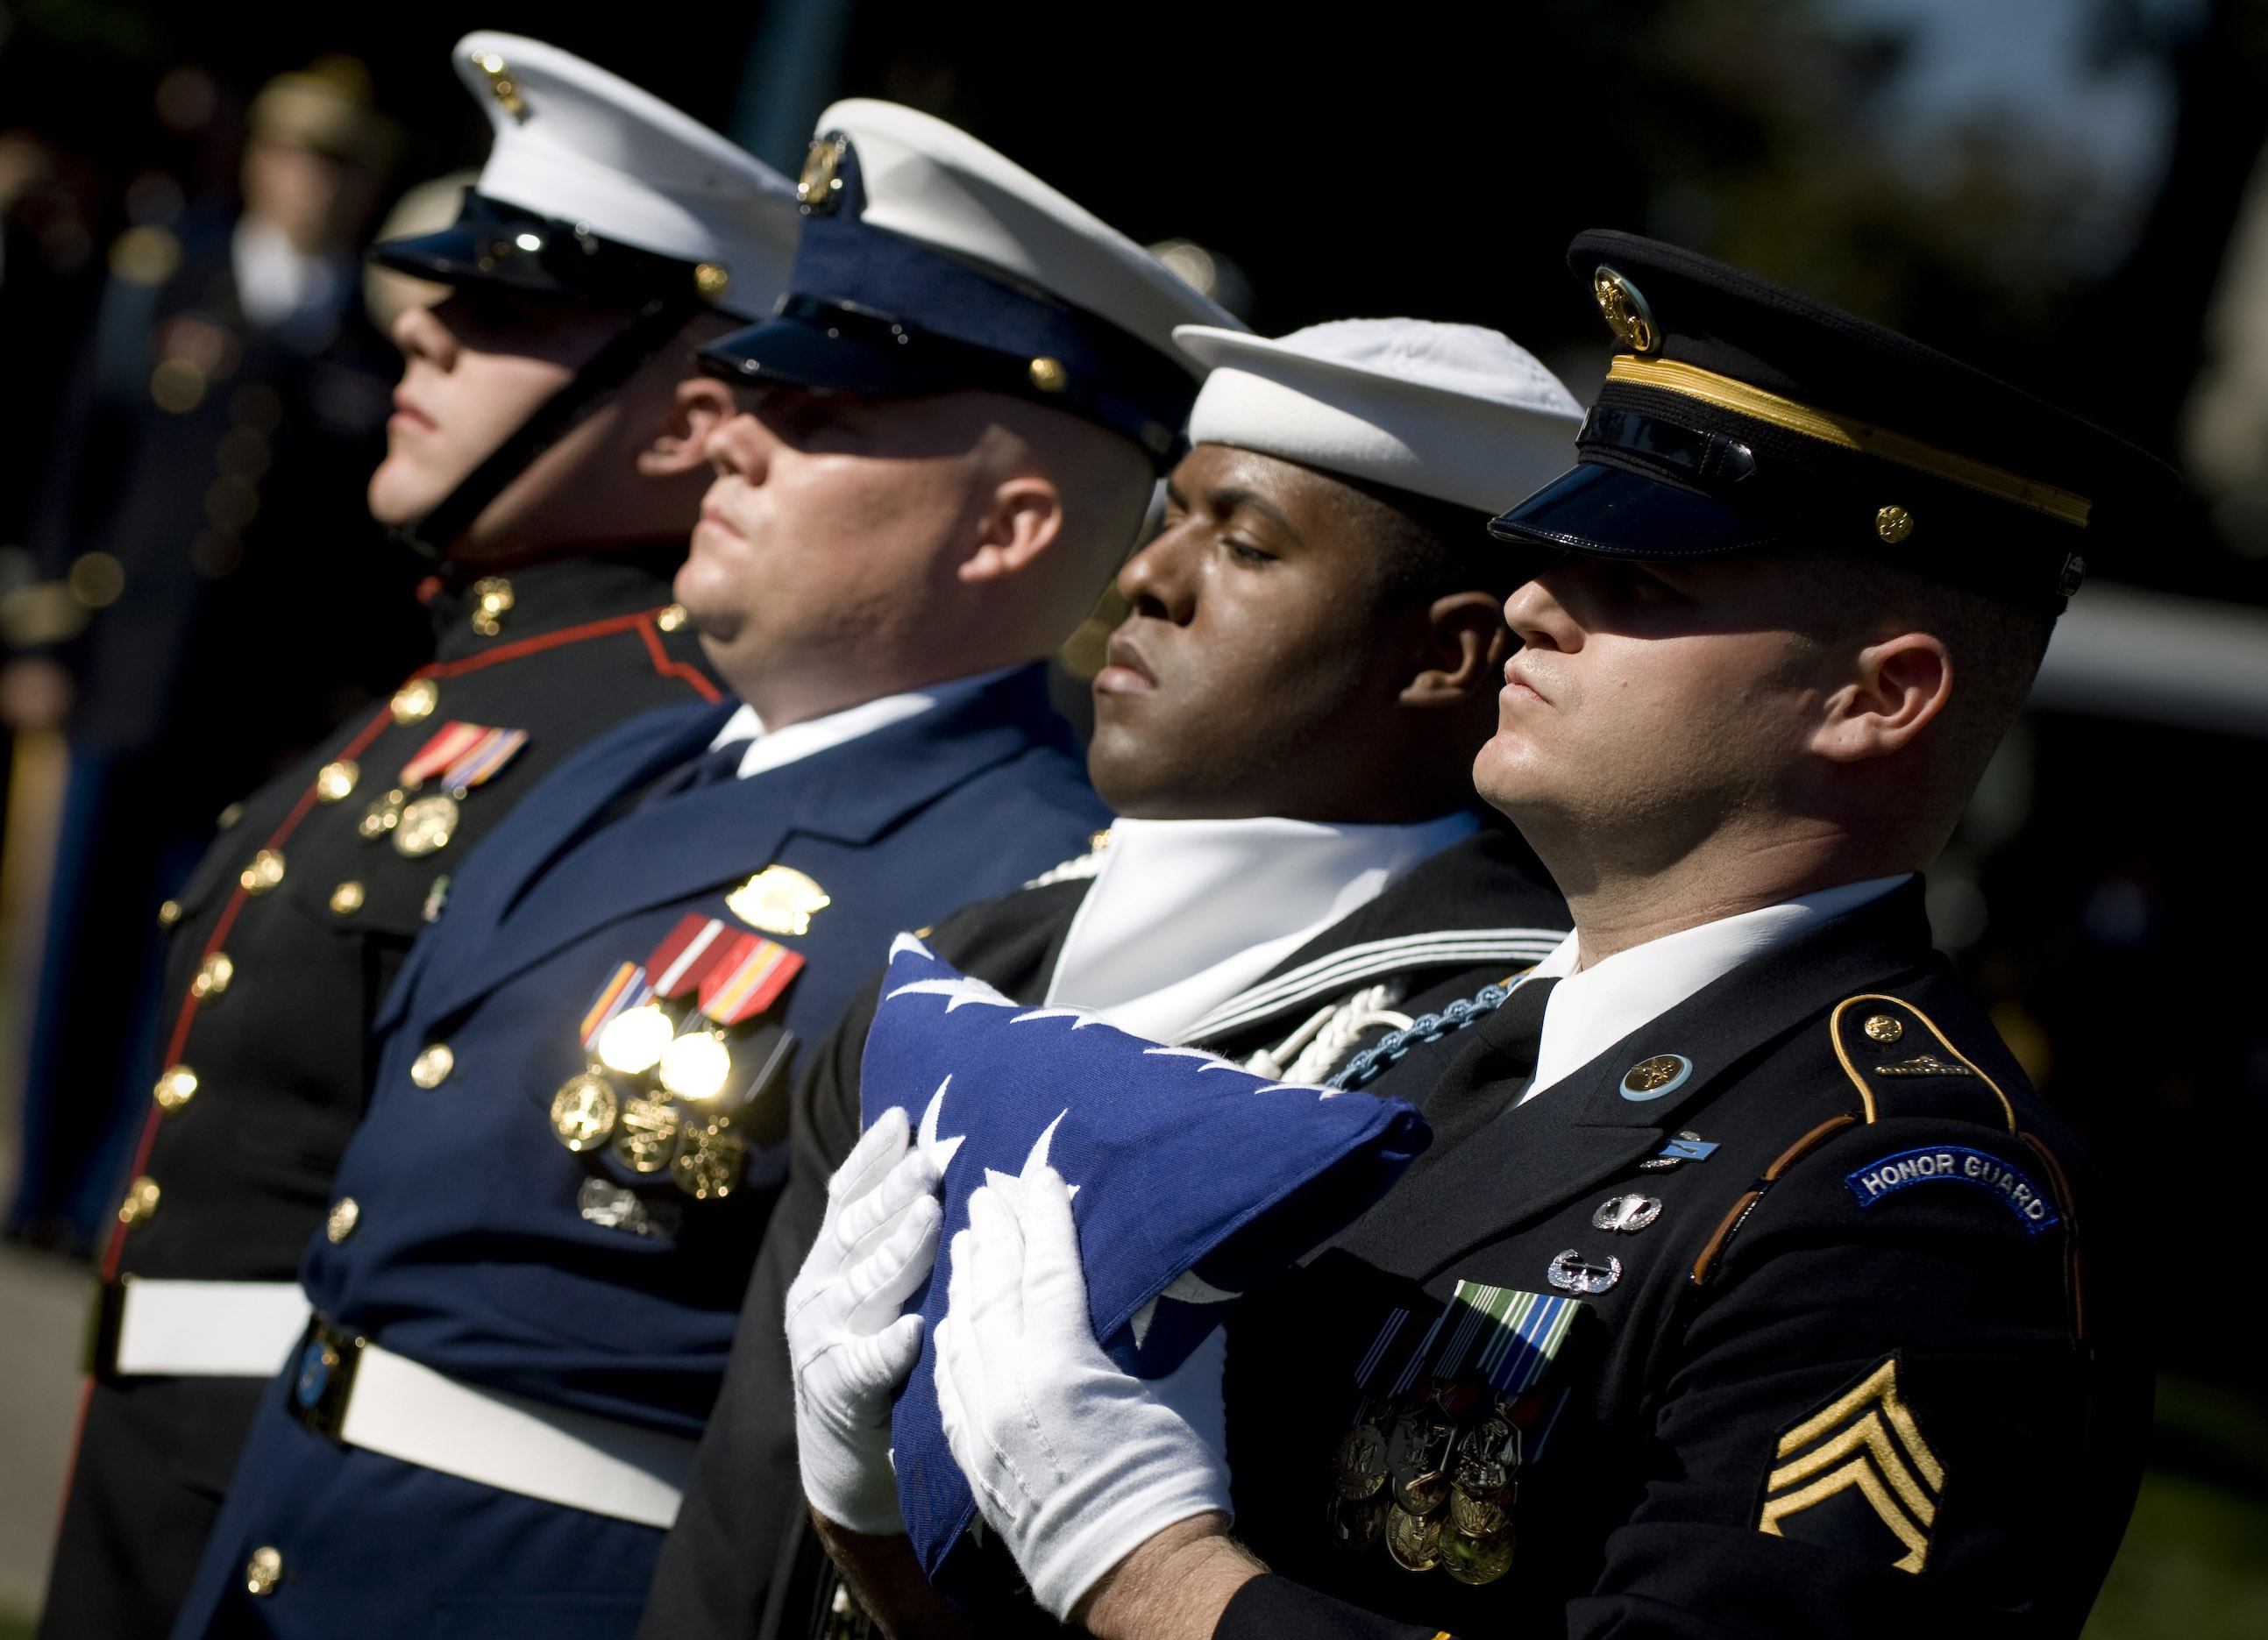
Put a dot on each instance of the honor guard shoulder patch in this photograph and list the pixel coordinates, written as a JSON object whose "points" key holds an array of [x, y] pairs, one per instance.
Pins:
{"points": [[1957, 1164], [1857, 1476]]}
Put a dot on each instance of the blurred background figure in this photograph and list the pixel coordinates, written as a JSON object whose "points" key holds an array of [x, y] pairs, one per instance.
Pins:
{"points": [[197, 535]]}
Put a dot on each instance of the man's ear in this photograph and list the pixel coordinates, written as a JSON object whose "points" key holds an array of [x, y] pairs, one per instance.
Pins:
{"points": [[1466, 644], [1024, 520], [1896, 688], [699, 405]]}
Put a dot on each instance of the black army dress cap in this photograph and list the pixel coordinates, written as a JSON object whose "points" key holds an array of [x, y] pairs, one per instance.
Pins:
{"points": [[1741, 416], [931, 264]]}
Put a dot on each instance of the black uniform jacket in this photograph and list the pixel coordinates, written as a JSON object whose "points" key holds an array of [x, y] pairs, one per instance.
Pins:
{"points": [[1867, 1367], [739, 1556], [240, 1169]]}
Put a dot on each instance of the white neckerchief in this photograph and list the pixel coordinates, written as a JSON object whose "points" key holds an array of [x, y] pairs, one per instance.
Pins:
{"points": [[770, 749], [1185, 914], [1590, 1012]]}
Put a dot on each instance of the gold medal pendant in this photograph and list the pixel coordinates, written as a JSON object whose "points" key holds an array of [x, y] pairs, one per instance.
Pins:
{"points": [[1361, 1461], [1355, 1524], [1414, 1540], [1476, 1560], [709, 1167], [425, 825], [646, 1135], [582, 1111], [382, 816]]}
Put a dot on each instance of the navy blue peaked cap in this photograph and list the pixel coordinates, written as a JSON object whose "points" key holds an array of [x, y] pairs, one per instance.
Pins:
{"points": [[1740, 416], [875, 309]]}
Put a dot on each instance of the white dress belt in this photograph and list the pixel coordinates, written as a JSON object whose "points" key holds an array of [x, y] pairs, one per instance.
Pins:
{"points": [[207, 1328], [406, 1410]]}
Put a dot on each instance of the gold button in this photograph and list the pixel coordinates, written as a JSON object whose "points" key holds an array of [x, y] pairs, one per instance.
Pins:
{"points": [[334, 780], [213, 976], [347, 898], [176, 1087], [1048, 375], [265, 871], [415, 700], [671, 618], [1883, 1028], [492, 599], [1893, 524], [141, 1200], [345, 1213], [169, 914], [264, 1571], [229, 816], [431, 1069], [711, 278]]}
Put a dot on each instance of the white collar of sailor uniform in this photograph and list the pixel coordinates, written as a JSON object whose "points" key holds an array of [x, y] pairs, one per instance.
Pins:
{"points": [[1592, 1009], [773, 748], [1185, 914]]}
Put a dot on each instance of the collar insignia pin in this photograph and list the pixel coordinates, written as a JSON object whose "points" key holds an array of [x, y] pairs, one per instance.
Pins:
{"points": [[1652, 1078]]}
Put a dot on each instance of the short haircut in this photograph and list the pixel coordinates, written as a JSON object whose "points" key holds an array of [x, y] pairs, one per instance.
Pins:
{"points": [[1996, 646], [1429, 549]]}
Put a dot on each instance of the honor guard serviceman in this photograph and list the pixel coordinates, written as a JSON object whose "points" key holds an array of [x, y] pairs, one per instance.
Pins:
{"points": [[1746, 1287], [539, 1240], [1285, 729], [539, 446]]}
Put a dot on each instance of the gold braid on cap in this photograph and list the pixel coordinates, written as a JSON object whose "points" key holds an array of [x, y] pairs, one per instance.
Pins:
{"points": [[1690, 381]]}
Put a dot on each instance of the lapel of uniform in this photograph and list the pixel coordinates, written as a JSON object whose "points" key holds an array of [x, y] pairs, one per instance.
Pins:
{"points": [[1581, 1131], [549, 814], [708, 838]]}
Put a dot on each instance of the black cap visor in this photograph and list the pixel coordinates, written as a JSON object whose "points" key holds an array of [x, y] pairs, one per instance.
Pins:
{"points": [[1610, 512], [823, 348], [496, 243]]}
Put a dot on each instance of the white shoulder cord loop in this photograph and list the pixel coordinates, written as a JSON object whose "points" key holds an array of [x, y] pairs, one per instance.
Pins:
{"points": [[1308, 1054]]}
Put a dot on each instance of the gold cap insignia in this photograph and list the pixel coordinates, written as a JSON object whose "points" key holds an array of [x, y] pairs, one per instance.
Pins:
{"points": [[1865, 1441], [778, 900], [1893, 524], [501, 85], [1625, 311], [820, 188], [1048, 375], [711, 278]]}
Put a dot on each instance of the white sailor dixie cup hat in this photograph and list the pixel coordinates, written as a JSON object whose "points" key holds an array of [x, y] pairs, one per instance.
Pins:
{"points": [[931, 264], [599, 191], [1454, 413]]}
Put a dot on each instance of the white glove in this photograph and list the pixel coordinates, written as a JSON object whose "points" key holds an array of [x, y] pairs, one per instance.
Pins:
{"points": [[846, 1340], [1074, 1463]]}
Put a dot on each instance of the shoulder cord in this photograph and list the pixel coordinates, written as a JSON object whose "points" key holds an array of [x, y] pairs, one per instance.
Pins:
{"points": [[1328, 1034]]}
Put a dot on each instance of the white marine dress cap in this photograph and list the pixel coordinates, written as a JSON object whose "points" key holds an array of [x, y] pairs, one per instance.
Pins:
{"points": [[931, 263], [595, 187], [1454, 412]]}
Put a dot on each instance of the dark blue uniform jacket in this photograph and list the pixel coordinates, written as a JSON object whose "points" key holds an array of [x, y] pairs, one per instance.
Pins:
{"points": [[468, 1252]]}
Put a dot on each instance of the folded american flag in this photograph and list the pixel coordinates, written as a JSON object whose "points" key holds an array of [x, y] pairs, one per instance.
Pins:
{"points": [[1192, 1179]]}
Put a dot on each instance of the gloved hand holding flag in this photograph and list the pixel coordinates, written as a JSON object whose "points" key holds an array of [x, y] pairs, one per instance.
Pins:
{"points": [[1190, 1180]]}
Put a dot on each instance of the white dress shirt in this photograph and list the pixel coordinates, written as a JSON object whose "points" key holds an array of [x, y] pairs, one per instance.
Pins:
{"points": [[772, 748], [1185, 914], [1592, 1009]]}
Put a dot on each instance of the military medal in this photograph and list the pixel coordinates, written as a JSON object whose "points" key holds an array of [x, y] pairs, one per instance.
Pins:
{"points": [[710, 1165], [382, 816], [1414, 1540], [461, 755], [1446, 1396], [582, 1111], [1361, 1461], [663, 1023], [425, 826], [646, 1135]]}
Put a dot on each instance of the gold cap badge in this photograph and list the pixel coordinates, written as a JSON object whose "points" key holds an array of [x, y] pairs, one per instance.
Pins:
{"points": [[1625, 311], [501, 85], [820, 188]]}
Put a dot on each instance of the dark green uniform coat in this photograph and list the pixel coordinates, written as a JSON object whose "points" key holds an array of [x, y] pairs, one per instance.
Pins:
{"points": [[1870, 1367]]}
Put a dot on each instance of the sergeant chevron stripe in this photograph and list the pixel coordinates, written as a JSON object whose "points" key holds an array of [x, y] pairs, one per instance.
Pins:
{"points": [[1341, 970], [1865, 1440]]}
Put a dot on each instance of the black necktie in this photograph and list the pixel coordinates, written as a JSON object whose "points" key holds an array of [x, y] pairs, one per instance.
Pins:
{"points": [[719, 762], [1494, 1068]]}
